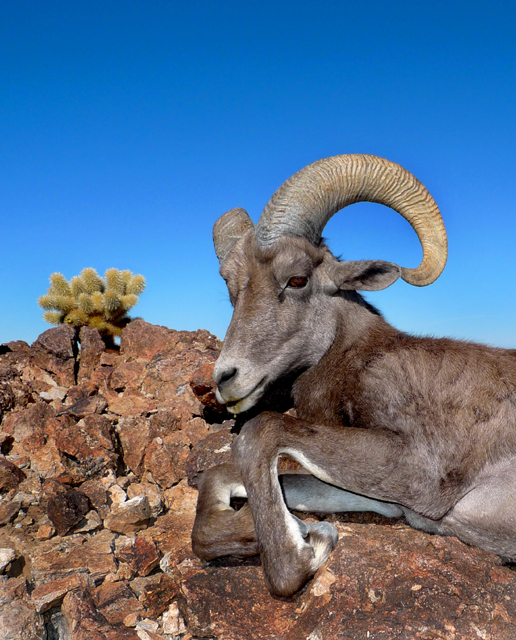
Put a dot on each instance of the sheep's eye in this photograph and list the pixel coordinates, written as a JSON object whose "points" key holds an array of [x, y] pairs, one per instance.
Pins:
{"points": [[297, 282]]}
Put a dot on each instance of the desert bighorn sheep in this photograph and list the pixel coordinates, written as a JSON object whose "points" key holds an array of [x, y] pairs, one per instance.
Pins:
{"points": [[420, 427]]}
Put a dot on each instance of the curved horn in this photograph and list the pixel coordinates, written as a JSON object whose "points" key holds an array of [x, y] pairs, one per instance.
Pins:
{"points": [[303, 205], [228, 229]]}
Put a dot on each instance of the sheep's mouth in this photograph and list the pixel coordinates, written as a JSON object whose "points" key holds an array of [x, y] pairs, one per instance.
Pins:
{"points": [[244, 404]]}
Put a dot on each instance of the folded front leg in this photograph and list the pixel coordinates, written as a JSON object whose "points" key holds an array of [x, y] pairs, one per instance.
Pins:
{"points": [[219, 530], [291, 550]]}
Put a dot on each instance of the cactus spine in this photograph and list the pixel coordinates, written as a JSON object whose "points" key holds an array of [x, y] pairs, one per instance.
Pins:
{"points": [[89, 300]]}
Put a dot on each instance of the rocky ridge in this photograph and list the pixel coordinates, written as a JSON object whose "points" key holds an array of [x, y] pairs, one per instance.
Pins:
{"points": [[99, 457]]}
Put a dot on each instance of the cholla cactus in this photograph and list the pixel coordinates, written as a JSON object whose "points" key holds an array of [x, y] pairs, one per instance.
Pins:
{"points": [[89, 300]]}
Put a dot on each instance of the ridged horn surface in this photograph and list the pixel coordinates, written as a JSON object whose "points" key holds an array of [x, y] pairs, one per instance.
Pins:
{"points": [[228, 229], [303, 205]]}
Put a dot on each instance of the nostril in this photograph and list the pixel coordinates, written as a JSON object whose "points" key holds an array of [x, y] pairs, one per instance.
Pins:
{"points": [[226, 375]]}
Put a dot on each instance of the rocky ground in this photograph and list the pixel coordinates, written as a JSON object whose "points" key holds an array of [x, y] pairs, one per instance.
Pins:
{"points": [[99, 457]]}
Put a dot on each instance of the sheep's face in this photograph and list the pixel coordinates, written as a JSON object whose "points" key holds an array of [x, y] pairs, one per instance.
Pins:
{"points": [[286, 311]]}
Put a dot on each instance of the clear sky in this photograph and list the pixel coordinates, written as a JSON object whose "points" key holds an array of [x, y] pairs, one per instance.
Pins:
{"points": [[127, 128]]}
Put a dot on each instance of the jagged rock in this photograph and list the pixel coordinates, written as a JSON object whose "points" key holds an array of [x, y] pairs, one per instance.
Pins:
{"points": [[62, 557], [45, 532], [6, 557], [213, 450], [116, 601], [7, 397], [140, 554], [172, 532], [402, 583], [8, 511], [10, 475], [135, 435], [96, 493], [173, 622], [153, 493], [90, 443], [203, 387], [67, 509], [15, 392], [50, 594], [127, 375], [157, 596], [33, 431], [18, 618], [83, 390], [166, 457], [143, 340], [85, 405], [54, 351], [131, 406], [92, 348], [20, 621], [129, 517], [87, 623]]}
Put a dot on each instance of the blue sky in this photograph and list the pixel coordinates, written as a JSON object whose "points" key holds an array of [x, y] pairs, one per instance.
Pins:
{"points": [[127, 128]]}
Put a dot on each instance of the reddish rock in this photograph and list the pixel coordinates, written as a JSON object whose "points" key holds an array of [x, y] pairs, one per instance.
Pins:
{"points": [[116, 601], [92, 348], [45, 532], [67, 509], [153, 493], [140, 554], [62, 557], [127, 374], [204, 387], [129, 517], [165, 421], [404, 583], [209, 452], [135, 435], [7, 397], [87, 623], [131, 406], [84, 390], [15, 389], [156, 597], [90, 443], [31, 427], [84, 406], [51, 593], [10, 475], [55, 351], [8, 511], [233, 603], [166, 457], [20, 621], [95, 491], [142, 340], [383, 581], [47, 461], [172, 532]]}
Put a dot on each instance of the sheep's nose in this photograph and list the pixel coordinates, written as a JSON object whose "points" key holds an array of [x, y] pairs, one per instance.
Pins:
{"points": [[224, 376]]}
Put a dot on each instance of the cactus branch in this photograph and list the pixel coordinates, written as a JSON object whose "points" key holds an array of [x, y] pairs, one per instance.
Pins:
{"points": [[90, 300]]}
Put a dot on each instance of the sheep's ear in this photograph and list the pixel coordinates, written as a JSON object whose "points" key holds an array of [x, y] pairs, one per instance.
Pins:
{"points": [[228, 230], [366, 275]]}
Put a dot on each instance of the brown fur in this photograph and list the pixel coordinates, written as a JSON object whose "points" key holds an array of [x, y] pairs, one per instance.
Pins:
{"points": [[428, 424]]}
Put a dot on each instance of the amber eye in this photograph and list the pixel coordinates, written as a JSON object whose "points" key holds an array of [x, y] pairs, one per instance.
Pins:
{"points": [[297, 282]]}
